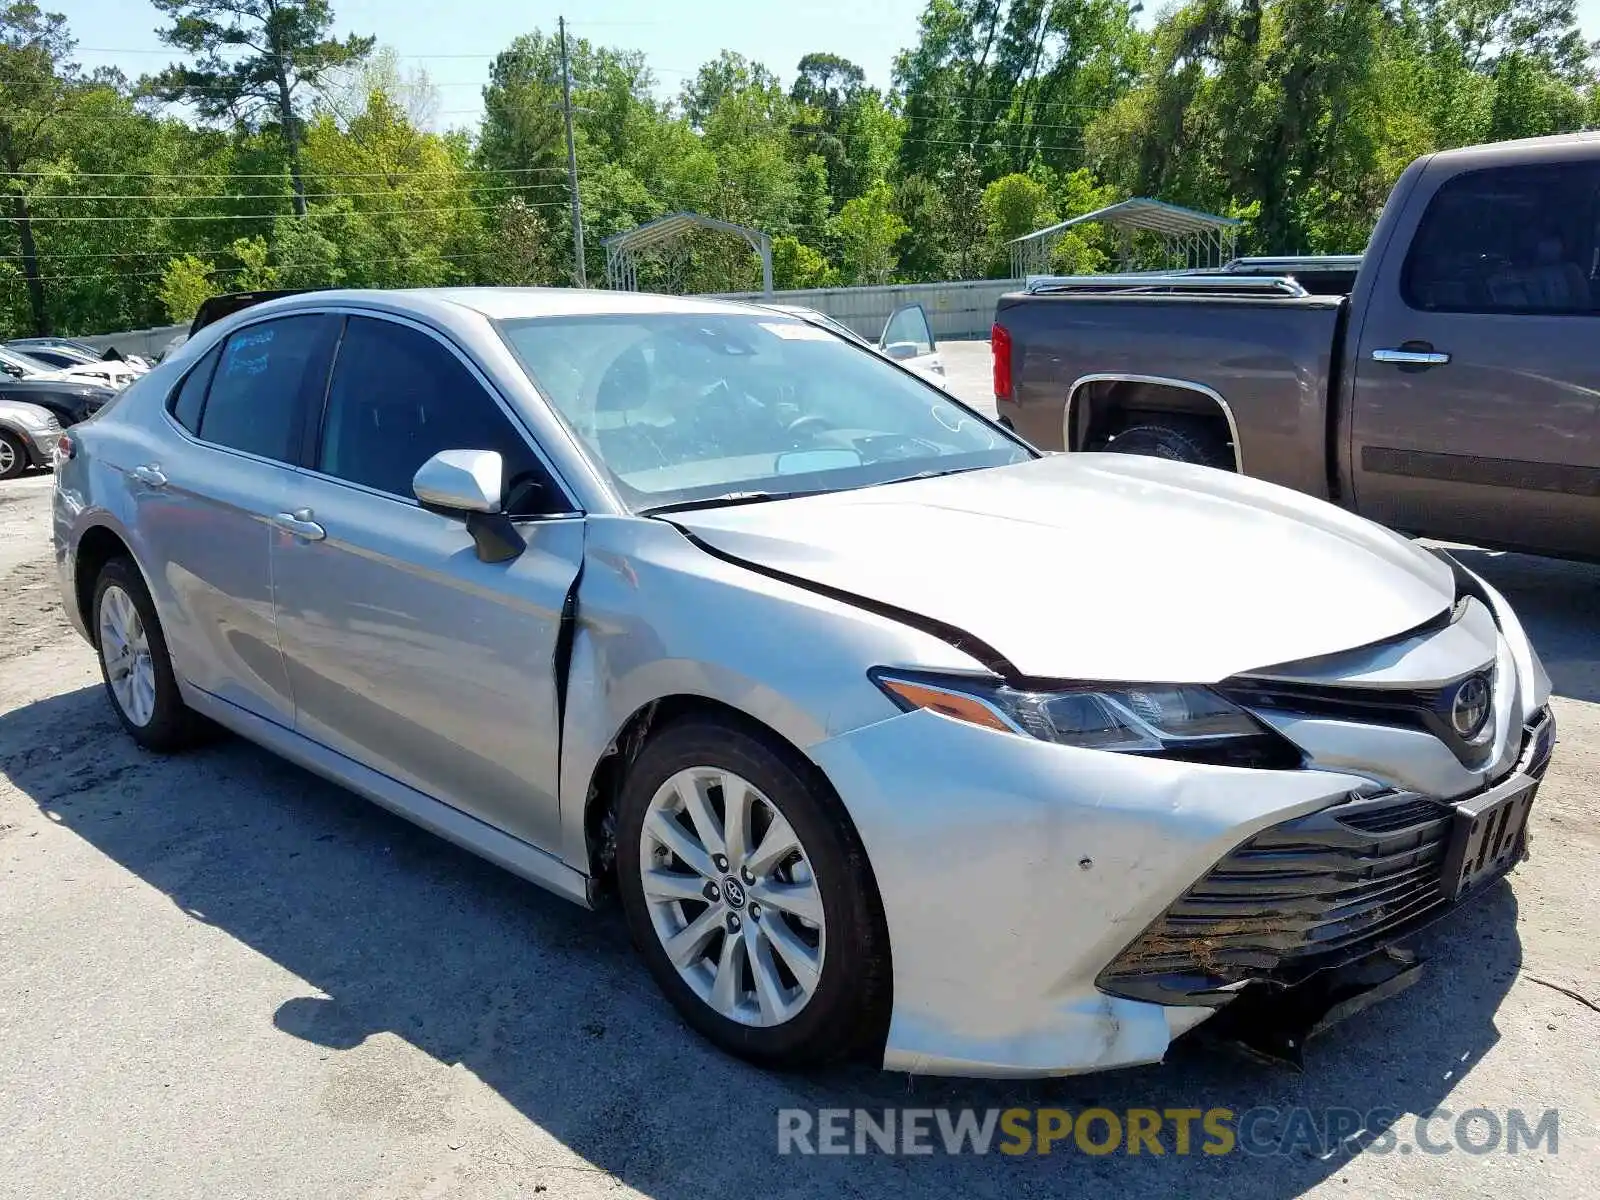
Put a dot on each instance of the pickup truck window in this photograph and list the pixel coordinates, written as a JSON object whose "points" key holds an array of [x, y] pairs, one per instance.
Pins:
{"points": [[1509, 240]]}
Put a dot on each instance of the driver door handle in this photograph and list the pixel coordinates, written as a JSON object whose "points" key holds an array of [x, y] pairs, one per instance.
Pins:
{"points": [[300, 524], [1411, 358], [149, 475]]}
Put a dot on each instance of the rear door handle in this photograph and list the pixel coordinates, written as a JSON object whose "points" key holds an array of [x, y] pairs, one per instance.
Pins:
{"points": [[150, 475], [300, 524], [1411, 358]]}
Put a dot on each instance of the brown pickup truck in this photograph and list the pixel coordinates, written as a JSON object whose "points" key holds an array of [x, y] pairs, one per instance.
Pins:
{"points": [[1446, 382]]}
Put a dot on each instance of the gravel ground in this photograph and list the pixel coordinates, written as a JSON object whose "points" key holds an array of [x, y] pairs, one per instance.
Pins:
{"points": [[220, 976]]}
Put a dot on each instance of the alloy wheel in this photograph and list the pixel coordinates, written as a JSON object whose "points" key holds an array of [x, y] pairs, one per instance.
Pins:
{"points": [[8, 457], [732, 896], [125, 647]]}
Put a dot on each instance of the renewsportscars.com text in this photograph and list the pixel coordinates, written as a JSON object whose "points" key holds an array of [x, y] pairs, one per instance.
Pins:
{"points": [[1165, 1131]]}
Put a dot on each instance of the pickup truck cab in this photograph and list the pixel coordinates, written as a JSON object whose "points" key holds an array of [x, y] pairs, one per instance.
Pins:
{"points": [[1446, 382]]}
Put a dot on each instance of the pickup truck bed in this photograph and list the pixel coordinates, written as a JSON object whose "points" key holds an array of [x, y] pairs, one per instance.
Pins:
{"points": [[1272, 356]]}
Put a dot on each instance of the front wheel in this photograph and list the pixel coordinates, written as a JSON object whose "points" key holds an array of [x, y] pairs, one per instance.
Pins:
{"points": [[748, 893]]}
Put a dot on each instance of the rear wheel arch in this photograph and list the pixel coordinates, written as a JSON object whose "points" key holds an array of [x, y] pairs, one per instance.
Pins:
{"points": [[97, 546], [1101, 406]]}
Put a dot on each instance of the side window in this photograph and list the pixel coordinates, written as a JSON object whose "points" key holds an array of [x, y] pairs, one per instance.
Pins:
{"points": [[1509, 240], [191, 394], [398, 397], [256, 398], [909, 326]]}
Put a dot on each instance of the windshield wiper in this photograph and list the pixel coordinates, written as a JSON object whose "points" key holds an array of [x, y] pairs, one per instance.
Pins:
{"points": [[725, 498]]}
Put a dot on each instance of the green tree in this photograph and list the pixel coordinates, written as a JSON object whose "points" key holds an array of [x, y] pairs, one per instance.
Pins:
{"points": [[185, 285], [796, 265], [256, 62], [868, 230], [37, 85]]}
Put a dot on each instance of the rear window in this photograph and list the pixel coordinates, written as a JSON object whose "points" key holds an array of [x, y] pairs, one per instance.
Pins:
{"points": [[254, 402]]}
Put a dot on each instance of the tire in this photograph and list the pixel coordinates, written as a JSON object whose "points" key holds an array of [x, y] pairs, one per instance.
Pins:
{"points": [[167, 724], [1177, 440], [14, 458], [845, 1012]]}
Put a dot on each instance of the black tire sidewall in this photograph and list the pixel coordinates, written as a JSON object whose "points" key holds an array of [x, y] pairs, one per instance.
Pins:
{"points": [[1182, 445], [173, 725], [22, 459], [848, 1008]]}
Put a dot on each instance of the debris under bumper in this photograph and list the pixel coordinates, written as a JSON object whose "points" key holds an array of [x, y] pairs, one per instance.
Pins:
{"points": [[1297, 927]]}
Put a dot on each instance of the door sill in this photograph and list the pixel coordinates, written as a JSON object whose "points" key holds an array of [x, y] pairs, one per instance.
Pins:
{"points": [[531, 863]]}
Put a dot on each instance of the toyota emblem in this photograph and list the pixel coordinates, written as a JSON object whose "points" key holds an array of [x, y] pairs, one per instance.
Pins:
{"points": [[1469, 708]]}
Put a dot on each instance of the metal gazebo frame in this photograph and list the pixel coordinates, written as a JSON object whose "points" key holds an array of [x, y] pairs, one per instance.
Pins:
{"points": [[1189, 238], [623, 250]]}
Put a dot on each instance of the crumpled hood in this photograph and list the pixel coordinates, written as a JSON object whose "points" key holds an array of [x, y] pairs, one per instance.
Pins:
{"points": [[1103, 566]]}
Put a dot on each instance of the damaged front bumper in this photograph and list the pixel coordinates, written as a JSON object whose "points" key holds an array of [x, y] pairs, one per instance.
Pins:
{"points": [[1297, 927]]}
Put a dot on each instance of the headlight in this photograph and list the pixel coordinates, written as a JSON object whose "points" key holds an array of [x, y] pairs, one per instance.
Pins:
{"points": [[1170, 720]]}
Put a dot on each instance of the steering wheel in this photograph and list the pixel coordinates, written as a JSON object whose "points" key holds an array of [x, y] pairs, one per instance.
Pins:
{"points": [[810, 423]]}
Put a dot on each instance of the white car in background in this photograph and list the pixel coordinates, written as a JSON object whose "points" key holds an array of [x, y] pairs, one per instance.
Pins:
{"points": [[107, 372], [907, 337]]}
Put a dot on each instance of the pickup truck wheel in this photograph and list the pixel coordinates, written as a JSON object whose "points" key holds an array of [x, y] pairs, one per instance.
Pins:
{"points": [[1179, 441]]}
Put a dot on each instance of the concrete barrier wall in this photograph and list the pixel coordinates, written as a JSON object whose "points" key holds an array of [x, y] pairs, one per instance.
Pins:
{"points": [[148, 342], [956, 310]]}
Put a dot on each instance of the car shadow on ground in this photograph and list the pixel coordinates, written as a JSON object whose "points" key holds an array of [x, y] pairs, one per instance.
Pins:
{"points": [[546, 1004], [1558, 603]]}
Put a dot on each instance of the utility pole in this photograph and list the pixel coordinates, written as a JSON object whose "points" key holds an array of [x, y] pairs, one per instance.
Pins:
{"points": [[578, 273]]}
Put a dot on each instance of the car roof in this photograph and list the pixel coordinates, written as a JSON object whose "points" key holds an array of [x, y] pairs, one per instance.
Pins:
{"points": [[509, 303]]}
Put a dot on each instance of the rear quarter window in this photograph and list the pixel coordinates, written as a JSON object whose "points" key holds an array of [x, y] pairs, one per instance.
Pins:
{"points": [[189, 396]]}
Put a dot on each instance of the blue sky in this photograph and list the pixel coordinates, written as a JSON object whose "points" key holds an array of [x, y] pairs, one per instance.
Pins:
{"points": [[455, 39]]}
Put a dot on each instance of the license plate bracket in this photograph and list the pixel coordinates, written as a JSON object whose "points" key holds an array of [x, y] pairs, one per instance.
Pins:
{"points": [[1487, 836]]}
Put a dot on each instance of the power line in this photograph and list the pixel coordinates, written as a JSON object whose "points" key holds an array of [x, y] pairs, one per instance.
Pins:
{"points": [[390, 212], [266, 175], [361, 262], [198, 199]]}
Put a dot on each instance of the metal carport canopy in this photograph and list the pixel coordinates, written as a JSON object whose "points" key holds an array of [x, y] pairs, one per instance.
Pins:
{"points": [[664, 229], [1142, 213]]}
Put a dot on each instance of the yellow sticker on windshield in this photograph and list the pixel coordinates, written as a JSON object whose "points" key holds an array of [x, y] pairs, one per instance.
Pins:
{"points": [[796, 331]]}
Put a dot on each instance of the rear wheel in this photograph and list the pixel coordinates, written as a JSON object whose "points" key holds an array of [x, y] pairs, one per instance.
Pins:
{"points": [[1175, 439], [135, 664], [13, 455], [748, 894]]}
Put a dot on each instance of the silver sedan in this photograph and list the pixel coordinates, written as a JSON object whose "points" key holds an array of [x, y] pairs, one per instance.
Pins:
{"points": [[893, 736]]}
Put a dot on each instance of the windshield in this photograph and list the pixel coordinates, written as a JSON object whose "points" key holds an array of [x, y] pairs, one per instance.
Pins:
{"points": [[679, 408]]}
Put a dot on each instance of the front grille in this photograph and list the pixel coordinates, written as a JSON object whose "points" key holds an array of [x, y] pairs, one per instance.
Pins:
{"points": [[1426, 709], [1294, 898]]}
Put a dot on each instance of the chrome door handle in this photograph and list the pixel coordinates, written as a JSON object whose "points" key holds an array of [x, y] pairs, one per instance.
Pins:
{"points": [[149, 475], [300, 524], [1411, 358]]}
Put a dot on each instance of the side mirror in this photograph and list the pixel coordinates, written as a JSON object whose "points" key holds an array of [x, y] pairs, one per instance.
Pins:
{"points": [[470, 484], [461, 481], [902, 351], [12, 370]]}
